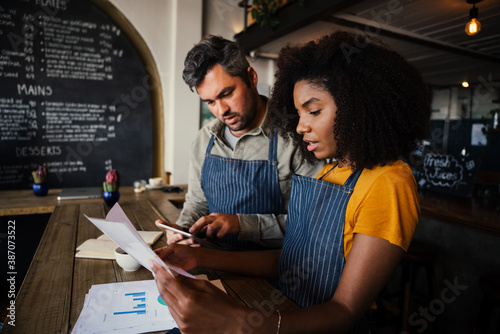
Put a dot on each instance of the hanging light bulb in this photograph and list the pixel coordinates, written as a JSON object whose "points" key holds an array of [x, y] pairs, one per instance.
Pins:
{"points": [[473, 26]]}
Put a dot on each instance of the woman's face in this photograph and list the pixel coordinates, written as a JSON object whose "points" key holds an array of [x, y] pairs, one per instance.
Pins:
{"points": [[317, 111]]}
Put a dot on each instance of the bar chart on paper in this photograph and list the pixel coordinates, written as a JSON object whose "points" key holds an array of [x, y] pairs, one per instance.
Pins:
{"points": [[138, 305], [127, 307]]}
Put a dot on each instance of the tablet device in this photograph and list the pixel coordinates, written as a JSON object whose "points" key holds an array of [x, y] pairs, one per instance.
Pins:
{"points": [[199, 240], [80, 193]]}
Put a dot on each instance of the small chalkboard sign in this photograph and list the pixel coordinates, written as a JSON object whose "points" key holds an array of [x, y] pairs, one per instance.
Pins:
{"points": [[448, 173]]}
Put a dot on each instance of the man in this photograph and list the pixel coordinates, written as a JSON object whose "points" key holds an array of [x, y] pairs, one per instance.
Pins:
{"points": [[240, 171]]}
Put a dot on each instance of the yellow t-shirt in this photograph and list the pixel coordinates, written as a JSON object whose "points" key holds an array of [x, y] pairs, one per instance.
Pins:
{"points": [[384, 203]]}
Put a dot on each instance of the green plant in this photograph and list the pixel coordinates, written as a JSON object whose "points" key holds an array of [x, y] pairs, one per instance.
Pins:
{"points": [[264, 11], [40, 175]]}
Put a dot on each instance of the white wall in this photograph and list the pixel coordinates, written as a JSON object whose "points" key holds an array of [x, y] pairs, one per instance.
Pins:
{"points": [[170, 28], [225, 18]]}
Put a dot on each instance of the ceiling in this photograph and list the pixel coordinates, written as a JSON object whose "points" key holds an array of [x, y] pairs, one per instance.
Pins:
{"points": [[428, 33]]}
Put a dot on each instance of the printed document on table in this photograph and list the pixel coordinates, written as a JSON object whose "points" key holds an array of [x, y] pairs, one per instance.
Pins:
{"points": [[118, 227], [125, 307]]}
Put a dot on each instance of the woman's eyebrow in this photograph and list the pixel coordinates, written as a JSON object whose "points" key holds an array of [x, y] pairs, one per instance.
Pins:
{"points": [[312, 99]]}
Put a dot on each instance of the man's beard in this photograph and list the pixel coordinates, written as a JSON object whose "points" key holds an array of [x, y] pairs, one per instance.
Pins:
{"points": [[246, 119]]}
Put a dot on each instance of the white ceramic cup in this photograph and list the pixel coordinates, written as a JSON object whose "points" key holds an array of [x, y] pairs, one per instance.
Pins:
{"points": [[155, 181], [125, 260]]}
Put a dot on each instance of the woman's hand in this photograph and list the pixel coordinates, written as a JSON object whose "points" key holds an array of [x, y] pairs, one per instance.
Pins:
{"points": [[198, 306]]}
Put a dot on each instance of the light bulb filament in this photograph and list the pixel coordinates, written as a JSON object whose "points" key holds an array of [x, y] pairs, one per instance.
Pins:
{"points": [[473, 27]]}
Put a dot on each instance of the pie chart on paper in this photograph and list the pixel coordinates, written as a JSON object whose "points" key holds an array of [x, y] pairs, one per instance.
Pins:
{"points": [[161, 301]]}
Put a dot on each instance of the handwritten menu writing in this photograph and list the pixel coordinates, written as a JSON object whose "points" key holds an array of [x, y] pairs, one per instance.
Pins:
{"points": [[74, 96], [449, 174]]}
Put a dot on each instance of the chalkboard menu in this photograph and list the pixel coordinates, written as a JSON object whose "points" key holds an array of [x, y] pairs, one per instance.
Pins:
{"points": [[74, 96], [448, 173]]}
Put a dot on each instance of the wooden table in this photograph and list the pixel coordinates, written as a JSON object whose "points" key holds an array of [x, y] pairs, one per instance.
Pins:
{"points": [[471, 213], [23, 202], [52, 294]]}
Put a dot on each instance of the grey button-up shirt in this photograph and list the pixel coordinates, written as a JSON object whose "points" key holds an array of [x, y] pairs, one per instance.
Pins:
{"points": [[264, 229]]}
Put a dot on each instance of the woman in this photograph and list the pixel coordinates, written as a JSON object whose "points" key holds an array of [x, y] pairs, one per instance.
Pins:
{"points": [[347, 98]]}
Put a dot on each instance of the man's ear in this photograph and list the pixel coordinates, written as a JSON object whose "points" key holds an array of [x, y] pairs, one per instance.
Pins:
{"points": [[252, 77]]}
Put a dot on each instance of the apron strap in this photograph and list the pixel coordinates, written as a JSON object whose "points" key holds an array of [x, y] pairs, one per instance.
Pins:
{"points": [[273, 145], [351, 180], [210, 144], [328, 171]]}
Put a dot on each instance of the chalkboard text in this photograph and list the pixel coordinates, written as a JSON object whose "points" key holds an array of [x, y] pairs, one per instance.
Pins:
{"points": [[38, 151], [34, 90], [442, 170], [57, 4], [452, 174]]}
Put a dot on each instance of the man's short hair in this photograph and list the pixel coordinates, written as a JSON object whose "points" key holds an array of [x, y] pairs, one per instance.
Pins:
{"points": [[210, 51]]}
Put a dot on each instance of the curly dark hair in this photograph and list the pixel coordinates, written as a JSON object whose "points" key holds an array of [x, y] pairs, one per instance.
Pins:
{"points": [[382, 103], [212, 50]]}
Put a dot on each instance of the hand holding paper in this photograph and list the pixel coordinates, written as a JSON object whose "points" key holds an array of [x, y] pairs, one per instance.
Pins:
{"points": [[118, 227]]}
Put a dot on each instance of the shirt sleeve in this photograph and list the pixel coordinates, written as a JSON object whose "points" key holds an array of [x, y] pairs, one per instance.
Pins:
{"points": [[196, 205], [265, 230], [390, 210]]}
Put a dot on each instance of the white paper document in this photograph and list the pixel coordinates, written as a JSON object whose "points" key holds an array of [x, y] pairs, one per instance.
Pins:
{"points": [[118, 227], [126, 307]]}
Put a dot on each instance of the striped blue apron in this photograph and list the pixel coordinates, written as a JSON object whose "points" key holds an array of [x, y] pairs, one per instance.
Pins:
{"points": [[235, 186], [312, 257]]}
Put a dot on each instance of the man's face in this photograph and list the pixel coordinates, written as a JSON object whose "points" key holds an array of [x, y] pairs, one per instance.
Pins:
{"points": [[230, 99]]}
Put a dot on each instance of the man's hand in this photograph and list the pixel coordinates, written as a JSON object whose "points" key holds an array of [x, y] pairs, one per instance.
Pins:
{"points": [[176, 238], [221, 223]]}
